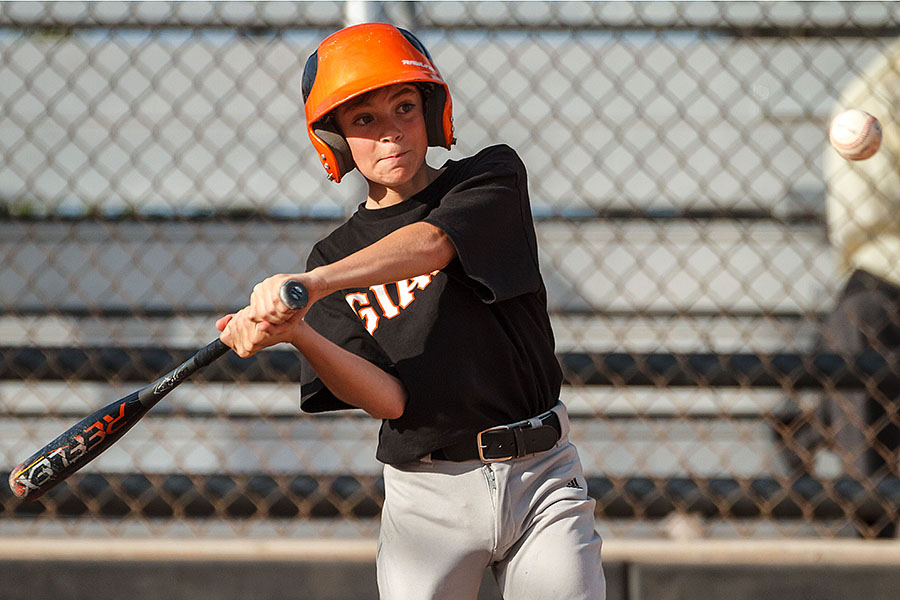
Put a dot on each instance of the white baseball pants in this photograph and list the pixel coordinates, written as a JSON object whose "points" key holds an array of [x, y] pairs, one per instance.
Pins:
{"points": [[530, 520]]}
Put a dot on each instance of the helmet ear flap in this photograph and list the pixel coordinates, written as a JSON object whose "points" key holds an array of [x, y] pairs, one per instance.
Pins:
{"points": [[438, 126], [340, 151]]}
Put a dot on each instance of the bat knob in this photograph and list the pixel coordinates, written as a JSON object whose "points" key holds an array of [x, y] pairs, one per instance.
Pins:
{"points": [[294, 295]]}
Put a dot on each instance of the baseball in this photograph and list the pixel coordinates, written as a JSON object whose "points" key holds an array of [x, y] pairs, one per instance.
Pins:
{"points": [[855, 134]]}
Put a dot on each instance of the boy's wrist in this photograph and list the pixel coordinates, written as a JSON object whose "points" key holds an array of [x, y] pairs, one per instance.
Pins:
{"points": [[319, 285], [297, 334]]}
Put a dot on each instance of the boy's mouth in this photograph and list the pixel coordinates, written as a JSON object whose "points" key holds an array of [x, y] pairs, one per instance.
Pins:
{"points": [[394, 156]]}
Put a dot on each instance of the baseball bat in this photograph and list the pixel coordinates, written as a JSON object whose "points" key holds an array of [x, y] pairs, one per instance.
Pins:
{"points": [[92, 435]]}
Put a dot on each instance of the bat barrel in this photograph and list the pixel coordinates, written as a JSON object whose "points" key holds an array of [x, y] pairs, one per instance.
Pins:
{"points": [[75, 447]]}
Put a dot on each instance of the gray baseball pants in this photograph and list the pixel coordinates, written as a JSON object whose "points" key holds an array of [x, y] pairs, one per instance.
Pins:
{"points": [[530, 519]]}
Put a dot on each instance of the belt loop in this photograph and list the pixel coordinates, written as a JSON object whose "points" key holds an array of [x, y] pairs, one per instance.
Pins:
{"points": [[562, 414], [520, 442]]}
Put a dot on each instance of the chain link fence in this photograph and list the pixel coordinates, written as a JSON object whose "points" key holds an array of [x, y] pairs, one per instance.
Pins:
{"points": [[154, 166]]}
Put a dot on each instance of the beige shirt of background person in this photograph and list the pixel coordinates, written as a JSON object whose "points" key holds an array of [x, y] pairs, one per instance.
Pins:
{"points": [[863, 197]]}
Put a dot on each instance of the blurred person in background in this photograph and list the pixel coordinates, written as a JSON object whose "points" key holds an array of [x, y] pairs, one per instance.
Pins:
{"points": [[863, 217]]}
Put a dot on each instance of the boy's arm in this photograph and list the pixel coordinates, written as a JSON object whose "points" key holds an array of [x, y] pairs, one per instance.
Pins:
{"points": [[408, 252], [350, 378]]}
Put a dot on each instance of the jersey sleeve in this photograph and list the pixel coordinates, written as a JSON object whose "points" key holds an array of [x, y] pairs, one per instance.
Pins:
{"points": [[333, 318], [487, 216]]}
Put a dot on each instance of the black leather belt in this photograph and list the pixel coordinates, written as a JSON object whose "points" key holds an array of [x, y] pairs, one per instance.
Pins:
{"points": [[505, 442]]}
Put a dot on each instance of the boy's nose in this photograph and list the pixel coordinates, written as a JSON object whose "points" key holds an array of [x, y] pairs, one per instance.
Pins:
{"points": [[392, 131], [392, 134]]}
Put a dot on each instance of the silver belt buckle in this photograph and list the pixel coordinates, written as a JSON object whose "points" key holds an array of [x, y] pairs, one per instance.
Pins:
{"points": [[481, 446]]}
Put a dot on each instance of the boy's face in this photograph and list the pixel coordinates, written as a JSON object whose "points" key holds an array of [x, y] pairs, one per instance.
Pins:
{"points": [[385, 130]]}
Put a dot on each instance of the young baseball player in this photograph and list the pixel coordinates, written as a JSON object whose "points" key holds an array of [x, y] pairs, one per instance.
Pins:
{"points": [[427, 310]]}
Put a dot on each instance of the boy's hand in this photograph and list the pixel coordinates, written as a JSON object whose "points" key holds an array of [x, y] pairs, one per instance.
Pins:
{"points": [[247, 337]]}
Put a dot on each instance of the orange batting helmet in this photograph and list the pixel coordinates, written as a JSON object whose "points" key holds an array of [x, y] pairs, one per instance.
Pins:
{"points": [[360, 59]]}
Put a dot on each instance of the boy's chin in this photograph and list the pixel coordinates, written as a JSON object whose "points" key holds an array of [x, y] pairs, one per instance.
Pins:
{"points": [[393, 180]]}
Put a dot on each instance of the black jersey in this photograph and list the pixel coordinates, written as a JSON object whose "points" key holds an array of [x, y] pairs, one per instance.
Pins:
{"points": [[471, 343]]}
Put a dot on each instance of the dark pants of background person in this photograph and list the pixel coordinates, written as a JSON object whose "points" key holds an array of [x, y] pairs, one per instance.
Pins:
{"points": [[862, 426]]}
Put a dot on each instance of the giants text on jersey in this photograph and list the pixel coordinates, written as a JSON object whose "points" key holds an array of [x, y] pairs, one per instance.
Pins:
{"points": [[363, 303]]}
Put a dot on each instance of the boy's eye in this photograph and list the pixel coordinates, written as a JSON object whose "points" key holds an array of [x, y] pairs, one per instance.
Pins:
{"points": [[362, 120], [407, 107]]}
